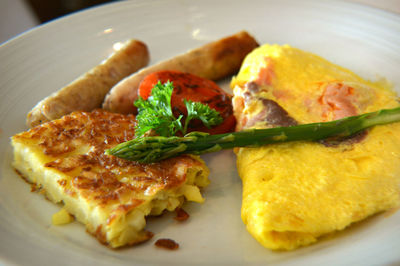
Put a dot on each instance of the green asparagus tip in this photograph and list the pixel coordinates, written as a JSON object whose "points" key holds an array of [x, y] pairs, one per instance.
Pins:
{"points": [[156, 148]]}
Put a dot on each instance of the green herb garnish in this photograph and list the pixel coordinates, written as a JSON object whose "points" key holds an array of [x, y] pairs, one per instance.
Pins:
{"points": [[156, 114], [196, 110]]}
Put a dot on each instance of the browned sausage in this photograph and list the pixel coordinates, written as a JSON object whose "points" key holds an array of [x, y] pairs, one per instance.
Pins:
{"points": [[213, 61], [88, 91]]}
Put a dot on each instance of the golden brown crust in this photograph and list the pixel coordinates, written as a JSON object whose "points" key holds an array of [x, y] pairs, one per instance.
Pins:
{"points": [[87, 92], [111, 196], [95, 174], [181, 215], [213, 61]]}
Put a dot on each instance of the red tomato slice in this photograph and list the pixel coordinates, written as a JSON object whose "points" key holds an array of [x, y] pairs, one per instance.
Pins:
{"points": [[196, 89]]}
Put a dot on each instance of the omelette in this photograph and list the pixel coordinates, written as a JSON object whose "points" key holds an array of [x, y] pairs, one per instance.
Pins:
{"points": [[296, 192], [112, 197]]}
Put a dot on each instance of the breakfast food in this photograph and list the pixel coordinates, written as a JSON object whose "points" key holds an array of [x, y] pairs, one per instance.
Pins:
{"points": [[296, 192], [88, 91], [167, 244], [65, 158], [196, 89], [212, 61], [293, 193]]}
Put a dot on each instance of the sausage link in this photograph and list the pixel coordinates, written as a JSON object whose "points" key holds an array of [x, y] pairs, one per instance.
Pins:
{"points": [[212, 61], [87, 92]]}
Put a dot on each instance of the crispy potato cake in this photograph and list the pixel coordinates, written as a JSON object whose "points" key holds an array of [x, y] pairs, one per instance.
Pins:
{"points": [[110, 196]]}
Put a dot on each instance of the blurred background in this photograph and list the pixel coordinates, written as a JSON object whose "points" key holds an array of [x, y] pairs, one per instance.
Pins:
{"points": [[46, 10], [17, 16]]}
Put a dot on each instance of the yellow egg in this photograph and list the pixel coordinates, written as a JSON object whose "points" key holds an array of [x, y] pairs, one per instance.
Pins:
{"points": [[294, 193]]}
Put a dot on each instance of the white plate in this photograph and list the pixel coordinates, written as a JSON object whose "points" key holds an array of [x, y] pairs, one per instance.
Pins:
{"points": [[40, 61]]}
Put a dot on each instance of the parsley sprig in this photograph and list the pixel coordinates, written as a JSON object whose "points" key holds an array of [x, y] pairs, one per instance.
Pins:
{"points": [[156, 114]]}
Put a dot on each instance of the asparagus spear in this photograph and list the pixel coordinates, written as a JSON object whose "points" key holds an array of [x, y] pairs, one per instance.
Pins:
{"points": [[155, 148]]}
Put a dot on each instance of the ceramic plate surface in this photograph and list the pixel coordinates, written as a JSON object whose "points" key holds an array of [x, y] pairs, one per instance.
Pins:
{"points": [[40, 61]]}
